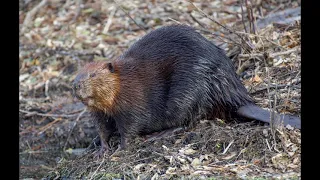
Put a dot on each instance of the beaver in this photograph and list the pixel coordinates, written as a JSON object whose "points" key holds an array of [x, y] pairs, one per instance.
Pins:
{"points": [[169, 78]]}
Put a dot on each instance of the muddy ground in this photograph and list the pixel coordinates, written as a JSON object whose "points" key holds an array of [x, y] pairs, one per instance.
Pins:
{"points": [[59, 37]]}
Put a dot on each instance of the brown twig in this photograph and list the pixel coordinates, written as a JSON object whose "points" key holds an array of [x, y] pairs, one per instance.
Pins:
{"points": [[53, 110], [244, 66], [171, 19], [94, 173], [79, 2], [196, 20], [226, 149], [270, 55], [242, 17], [229, 30], [264, 37], [29, 113], [110, 18], [253, 19], [77, 111], [31, 14], [249, 15], [141, 27], [207, 16], [284, 52], [44, 128], [74, 125], [272, 112], [210, 32], [275, 86], [215, 34]]}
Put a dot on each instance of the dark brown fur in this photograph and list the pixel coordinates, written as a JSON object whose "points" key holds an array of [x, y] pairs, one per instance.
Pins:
{"points": [[167, 79]]}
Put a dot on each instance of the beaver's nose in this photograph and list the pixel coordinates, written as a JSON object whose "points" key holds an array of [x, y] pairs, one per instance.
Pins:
{"points": [[75, 85], [79, 78], [77, 81], [75, 88]]}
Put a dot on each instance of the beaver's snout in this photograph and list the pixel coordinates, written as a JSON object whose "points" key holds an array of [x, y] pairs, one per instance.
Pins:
{"points": [[75, 88], [77, 85]]}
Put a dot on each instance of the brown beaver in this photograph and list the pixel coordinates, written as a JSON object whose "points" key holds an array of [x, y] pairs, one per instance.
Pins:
{"points": [[169, 78]]}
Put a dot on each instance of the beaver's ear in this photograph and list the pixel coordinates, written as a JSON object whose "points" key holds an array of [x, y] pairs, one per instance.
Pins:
{"points": [[110, 67]]}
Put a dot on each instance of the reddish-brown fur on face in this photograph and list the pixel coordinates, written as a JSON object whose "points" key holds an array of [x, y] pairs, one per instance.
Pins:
{"points": [[97, 85]]}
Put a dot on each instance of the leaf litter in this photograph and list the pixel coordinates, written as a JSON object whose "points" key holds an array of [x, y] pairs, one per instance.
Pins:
{"points": [[55, 44]]}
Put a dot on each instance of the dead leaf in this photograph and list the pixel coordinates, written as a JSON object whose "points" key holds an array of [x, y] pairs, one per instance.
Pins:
{"points": [[293, 44], [171, 170], [110, 40], [115, 158], [188, 151], [275, 35], [195, 162], [138, 167], [230, 156], [257, 79]]}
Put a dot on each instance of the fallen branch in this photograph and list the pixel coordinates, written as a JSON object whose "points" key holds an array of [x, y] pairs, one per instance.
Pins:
{"points": [[226, 150], [270, 55], [275, 86], [284, 52], [74, 125], [31, 113], [44, 128]]}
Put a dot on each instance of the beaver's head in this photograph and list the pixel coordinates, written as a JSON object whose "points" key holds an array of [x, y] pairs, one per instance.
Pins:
{"points": [[97, 85]]}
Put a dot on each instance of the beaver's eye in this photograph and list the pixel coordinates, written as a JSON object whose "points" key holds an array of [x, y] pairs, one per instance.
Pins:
{"points": [[93, 75]]}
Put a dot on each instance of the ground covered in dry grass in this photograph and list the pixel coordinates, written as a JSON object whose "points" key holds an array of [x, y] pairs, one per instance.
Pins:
{"points": [[59, 37]]}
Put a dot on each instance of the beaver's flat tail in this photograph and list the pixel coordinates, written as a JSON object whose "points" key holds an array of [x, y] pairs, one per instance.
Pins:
{"points": [[257, 113]]}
